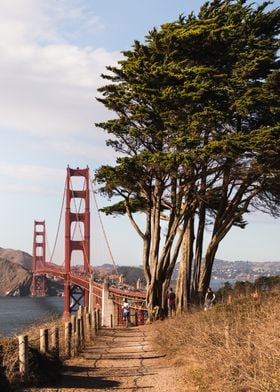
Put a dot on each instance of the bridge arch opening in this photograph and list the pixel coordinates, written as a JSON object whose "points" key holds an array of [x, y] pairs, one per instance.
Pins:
{"points": [[77, 205]]}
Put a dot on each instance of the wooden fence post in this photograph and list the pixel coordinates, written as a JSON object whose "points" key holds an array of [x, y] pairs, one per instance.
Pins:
{"points": [[55, 340], [82, 329], [23, 357], [98, 319], [74, 322], [74, 335], [93, 323], [68, 334], [76, 341], [79, 334], [44, 344], [80, 311], [88, 327]]}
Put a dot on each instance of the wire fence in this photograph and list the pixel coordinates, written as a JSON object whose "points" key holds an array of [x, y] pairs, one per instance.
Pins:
{"points": [[58, 342]]}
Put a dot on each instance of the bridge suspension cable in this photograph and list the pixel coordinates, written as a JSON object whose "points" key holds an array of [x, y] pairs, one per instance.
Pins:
{"points": [[103, 229], [78, 223], [48, 247], [77, 210], [59, 224]]}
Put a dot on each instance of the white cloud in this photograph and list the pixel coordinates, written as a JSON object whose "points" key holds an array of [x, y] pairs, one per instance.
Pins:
{"points": [[30, 179], [48, 84], [27, 189], [30, 172], [88, 150]]}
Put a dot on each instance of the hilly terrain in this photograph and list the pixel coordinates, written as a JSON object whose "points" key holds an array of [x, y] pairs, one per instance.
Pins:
{"points": [[15, 273], [15, 276]]}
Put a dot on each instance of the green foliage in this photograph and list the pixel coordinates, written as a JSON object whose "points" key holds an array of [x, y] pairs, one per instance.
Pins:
{"points": [[266, 283], [196, 125], [263, 284], [135, 205]]}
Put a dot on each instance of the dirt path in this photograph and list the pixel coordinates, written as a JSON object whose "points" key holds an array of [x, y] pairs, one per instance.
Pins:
{"points": [[118, 359]]}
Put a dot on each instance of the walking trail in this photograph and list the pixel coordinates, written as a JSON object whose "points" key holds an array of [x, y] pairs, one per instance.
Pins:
{"points": [[124, 359]]}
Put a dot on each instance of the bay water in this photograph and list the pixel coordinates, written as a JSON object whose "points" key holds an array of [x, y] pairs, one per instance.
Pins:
{"points": [[18, 313]]}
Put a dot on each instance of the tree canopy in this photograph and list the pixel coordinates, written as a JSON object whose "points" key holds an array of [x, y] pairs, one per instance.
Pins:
{"points": [[196, 126]]}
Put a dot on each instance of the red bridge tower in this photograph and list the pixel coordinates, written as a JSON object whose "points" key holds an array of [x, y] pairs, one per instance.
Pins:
{"points": [[75, 295], [38, 285]]}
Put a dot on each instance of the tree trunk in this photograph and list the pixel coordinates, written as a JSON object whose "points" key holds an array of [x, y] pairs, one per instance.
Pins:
{"points": [[184, 276], [207, 266], [198, 254]]}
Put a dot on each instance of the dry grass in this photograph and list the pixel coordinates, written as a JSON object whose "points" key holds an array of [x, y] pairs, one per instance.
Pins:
{"points": [[230, 348], [49, 322], [42, 367]]}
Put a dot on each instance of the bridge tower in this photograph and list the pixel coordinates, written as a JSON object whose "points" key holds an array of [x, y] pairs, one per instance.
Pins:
{"points": [[74, 295], [38, 284]]}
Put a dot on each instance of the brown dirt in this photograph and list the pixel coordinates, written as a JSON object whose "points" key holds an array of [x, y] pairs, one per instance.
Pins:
{"points": [[120, 359]]}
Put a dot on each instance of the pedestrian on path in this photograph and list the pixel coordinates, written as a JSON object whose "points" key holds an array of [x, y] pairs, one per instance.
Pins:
{"points": [[126, 311], [171, 302], [209, 299]]}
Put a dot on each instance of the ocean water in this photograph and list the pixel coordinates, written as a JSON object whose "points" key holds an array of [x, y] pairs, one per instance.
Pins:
{"points": [[17, 313]]}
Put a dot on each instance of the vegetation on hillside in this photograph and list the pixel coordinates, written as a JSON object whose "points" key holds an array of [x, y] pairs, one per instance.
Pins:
{"points": [[196, 127], [234, 347]]}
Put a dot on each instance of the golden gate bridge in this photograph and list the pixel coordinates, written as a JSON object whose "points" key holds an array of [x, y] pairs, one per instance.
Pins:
{"points": [[79, 285]]}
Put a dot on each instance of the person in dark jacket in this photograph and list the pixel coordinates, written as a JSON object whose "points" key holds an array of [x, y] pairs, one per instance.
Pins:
{"points": [[209, 299], [171, 302]]}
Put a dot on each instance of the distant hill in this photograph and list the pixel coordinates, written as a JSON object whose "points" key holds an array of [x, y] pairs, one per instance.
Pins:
{"points": [[15, 276], [17, 256], [15, 272], [239, 270], [131, 274]]}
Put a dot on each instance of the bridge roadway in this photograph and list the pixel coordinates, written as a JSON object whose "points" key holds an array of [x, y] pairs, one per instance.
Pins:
{"points": [[109, 301], [124, 359], [80, 279]]}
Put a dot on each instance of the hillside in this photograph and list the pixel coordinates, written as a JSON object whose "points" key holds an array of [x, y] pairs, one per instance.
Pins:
{"points": [[15, 274], [14, 278], [233, 271], [234, 347], [17, 256], [15, 266], [108, 271]]}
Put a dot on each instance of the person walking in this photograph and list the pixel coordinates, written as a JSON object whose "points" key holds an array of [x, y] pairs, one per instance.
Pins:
{"points": [[171, 302], [126, 311], [209, 299]]}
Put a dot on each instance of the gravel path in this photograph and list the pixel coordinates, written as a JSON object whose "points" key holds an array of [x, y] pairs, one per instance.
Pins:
{"points": [[119, 359]]}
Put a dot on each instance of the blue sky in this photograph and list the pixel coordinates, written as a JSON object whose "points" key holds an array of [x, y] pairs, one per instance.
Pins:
{"points": [[52, 55]]}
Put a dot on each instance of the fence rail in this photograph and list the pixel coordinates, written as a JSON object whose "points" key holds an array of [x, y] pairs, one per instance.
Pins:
{"points": [[67, 343]]}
